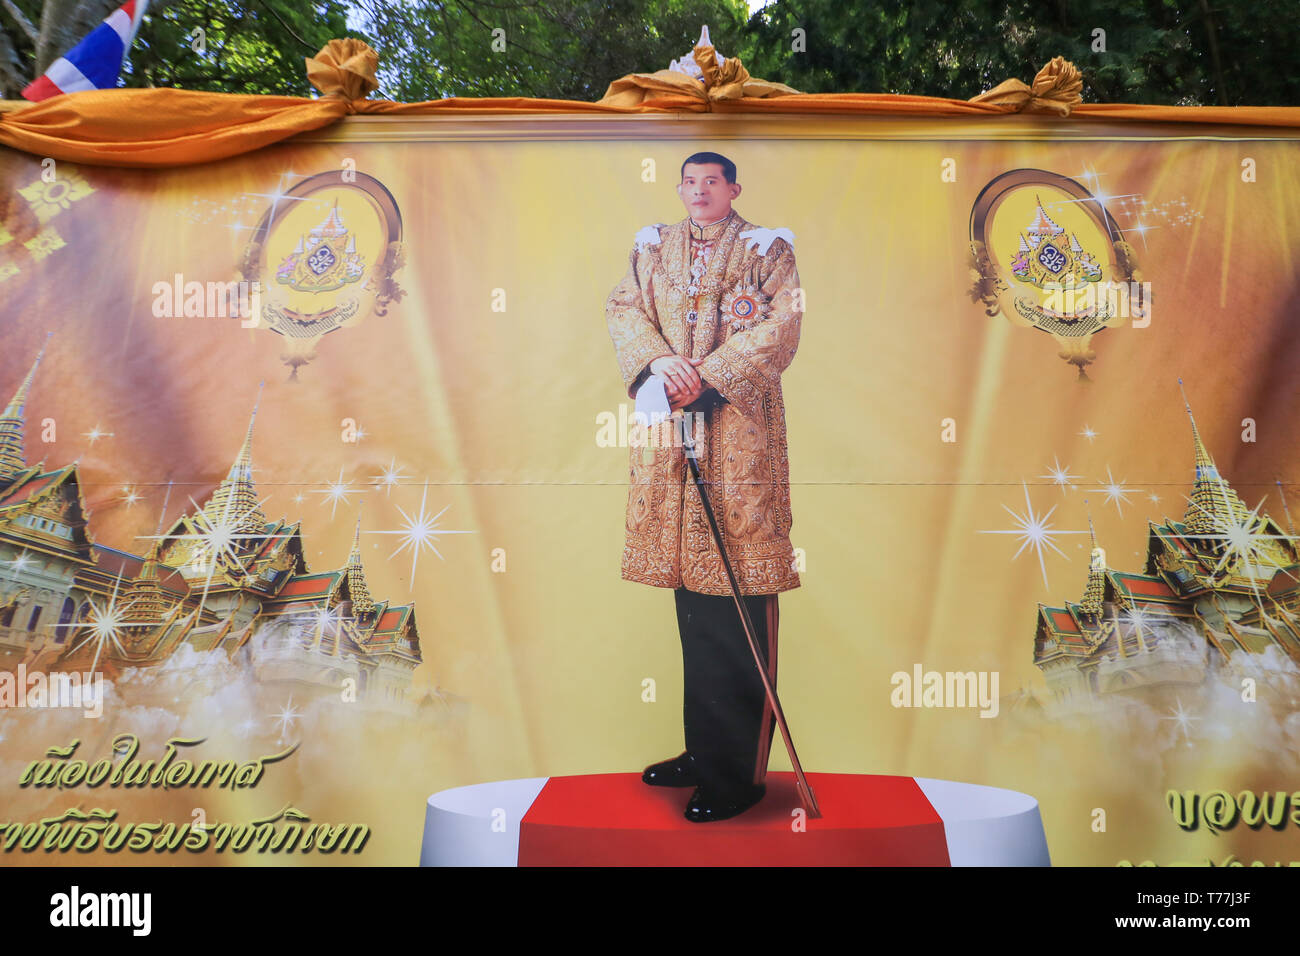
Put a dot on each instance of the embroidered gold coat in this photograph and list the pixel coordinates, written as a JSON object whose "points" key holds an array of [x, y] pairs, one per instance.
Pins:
{"points": [[747, 330]]}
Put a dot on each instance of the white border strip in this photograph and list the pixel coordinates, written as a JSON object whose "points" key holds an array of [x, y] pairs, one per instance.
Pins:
{"points": [[988, 826], [458, 823]]}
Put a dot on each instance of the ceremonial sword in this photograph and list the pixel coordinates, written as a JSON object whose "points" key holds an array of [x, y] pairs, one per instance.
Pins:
{"points": [[801, 782]]}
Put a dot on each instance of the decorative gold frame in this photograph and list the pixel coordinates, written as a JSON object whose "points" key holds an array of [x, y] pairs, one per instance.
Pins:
{"points": [[381, 279], [990, 288]]}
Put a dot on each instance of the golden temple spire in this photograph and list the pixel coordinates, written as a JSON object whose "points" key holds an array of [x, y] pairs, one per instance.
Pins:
{"points": [[243, 466], [235, 500], [1096, 588], [1213, 506], [148, 604], [362, 602], [150, 570], [12, 457]]}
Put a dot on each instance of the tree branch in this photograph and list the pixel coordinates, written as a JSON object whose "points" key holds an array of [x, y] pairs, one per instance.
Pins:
{"points": [[19, 18], [12, 80], [288, 29], [90, 13], [541, 56], [55, 19], [1216, 63]]}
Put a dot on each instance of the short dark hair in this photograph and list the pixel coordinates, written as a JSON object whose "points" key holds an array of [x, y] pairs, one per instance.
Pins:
{"points": [[728, 167]]}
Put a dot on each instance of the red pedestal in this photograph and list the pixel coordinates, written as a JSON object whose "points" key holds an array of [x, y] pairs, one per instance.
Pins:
{"points": [[615, 820]]}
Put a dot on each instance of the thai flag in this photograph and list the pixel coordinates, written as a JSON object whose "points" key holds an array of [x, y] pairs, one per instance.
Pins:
{"points": [[93, 64]]}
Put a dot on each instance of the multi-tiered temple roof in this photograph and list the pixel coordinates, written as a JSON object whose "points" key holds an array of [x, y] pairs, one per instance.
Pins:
{"points": [[215, 578], [1223, 581]]}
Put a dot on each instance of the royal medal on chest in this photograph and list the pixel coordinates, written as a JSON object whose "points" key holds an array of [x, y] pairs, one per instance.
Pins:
{"points": [[746, 304]]}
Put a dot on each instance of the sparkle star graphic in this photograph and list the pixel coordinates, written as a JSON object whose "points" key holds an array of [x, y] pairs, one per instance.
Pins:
{"points": [[18, 564], [279, 195], [1142, 229], [130, 496], [237, 227], [327, 617], [1093, 180], [1182, 720], [391, 475], [418, 532], [322, 622], [1060, 476], [336, 491], [1148, 624], [95, 434], [1116, 491], [1246, 544], [217, 541], [1088, 433], [286, 717], [1034, 531], [103, 624]]}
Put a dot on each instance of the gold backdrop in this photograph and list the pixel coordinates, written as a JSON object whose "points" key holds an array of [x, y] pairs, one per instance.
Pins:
{"points": [[491, 411]]}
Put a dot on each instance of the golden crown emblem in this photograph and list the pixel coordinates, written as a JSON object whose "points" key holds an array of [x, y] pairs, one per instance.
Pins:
{"points": [[1046, 257], [323, 260]]}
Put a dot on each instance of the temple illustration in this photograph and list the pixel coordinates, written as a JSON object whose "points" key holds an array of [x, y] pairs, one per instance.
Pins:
{"points": [[224, 579], [1218, 590]]}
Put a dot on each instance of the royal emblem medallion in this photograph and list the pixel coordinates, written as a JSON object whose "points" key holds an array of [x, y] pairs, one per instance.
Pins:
{"points": [[1046, 254], [324, 255]]}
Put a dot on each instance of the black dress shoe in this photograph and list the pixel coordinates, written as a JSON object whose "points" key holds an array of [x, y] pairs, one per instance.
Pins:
{"points": [[706, 806], [678, 772]]}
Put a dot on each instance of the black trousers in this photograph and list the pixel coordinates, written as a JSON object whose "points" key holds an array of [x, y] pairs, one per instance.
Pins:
{"points": [[727, 719]]}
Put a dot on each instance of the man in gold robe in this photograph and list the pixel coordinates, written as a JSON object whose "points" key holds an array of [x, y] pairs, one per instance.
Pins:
{"points": [[712, 306]]}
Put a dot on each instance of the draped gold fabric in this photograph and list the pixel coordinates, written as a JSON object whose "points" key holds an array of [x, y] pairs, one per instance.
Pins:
{"points": [[1056, 89], [729, 81], [167, 127], [344, 68]]}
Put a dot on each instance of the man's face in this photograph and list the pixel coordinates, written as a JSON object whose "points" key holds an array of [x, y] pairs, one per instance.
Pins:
{"points": [[705, 192]]}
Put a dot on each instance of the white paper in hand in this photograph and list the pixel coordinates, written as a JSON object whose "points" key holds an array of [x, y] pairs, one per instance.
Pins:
{"points": [[652, 401]]}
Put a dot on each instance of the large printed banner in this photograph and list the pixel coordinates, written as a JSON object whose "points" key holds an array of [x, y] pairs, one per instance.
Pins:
{"points": [[323, 486]]}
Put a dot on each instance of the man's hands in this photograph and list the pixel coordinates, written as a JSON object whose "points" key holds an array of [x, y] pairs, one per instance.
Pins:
{"points": [[681, 381]]}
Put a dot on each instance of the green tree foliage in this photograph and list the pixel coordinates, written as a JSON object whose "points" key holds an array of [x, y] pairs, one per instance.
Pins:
{"points": [[1191, 52], [562, 50], [1171, 52], [245, 47], [248, 47]]}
